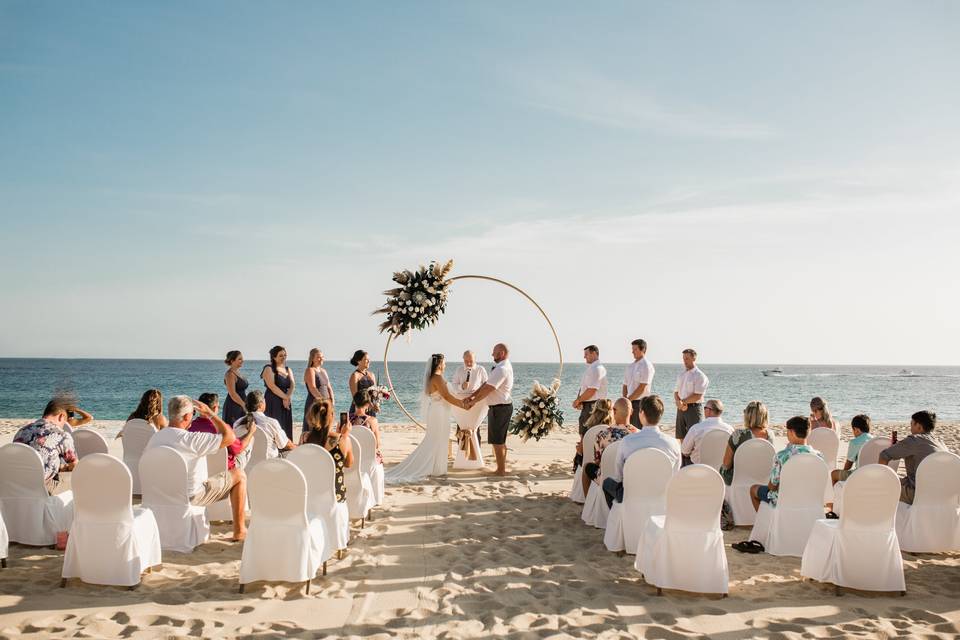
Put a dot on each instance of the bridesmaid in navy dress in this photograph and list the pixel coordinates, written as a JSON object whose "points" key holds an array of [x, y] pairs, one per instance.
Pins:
{"points": [[362, 379], [279, 382], [236, 386], [317, 381]]}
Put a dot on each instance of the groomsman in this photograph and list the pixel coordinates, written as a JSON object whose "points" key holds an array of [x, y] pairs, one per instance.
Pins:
{"points": [[593, 385], [469, 377], [496, 391], [688, 394], [638, 379]]}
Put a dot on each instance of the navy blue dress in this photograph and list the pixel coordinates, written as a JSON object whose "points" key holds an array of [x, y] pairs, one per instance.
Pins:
{"points": [[275, 408], [231, 410]]}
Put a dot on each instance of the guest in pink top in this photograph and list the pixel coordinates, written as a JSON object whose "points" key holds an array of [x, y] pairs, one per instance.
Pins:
{"points": [[202, 424]]}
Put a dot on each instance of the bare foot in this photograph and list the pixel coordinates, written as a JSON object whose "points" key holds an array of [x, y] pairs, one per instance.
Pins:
{"points": [[239, 536]]}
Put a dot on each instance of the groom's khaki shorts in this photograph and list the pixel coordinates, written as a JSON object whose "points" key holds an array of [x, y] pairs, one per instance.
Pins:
{"points": [[498, 420]]}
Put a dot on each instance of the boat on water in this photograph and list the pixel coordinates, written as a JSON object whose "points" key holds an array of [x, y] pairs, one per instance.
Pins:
{"points": [[906, 373], [776, 371]]}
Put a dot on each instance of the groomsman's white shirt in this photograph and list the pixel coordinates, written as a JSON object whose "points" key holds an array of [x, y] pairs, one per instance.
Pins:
{"points": [[501, 379], [638, 373], [478, 376], [595, 377], [691, 381], [691, 441]]}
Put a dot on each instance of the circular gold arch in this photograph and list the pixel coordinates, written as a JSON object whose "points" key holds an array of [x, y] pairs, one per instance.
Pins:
{"points": [[390, 337]]}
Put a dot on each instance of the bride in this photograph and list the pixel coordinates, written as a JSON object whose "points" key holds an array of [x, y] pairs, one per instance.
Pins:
{"points": [[430, 456]]}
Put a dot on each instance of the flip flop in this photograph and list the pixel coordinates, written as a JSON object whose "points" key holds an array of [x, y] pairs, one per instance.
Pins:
{"points": [[832, 516], [748, 546]]}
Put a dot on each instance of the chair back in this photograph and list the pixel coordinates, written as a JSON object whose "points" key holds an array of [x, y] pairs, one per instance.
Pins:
{"points": [[608, 460], [694, 498], [827, 442], [802, 482], [712, 447], [278, 493], [646, 474], [258, 450], [938, 480], [102, 490], [870, 499], [21, 472], [753, 461], [318, 468], [163, 477], [217, 462], [871, 450], [590, 442], [136, 435], [368, 443], [88, 441], [351, 475]]}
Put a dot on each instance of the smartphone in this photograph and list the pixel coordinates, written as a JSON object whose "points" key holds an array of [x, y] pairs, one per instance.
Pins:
{"points": [[343, 418]]}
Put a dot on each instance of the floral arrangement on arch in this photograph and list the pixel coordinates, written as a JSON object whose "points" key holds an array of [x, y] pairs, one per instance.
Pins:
{"points": [[539, 414], [419, 300]]}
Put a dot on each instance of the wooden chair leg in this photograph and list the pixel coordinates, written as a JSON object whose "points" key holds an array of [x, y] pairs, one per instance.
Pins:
{"points": [[308, 587], [242, 587], [837, 591], [362, 522], [659, 591], [63, 582], [324, 567], [3, 563], [339, 554]]}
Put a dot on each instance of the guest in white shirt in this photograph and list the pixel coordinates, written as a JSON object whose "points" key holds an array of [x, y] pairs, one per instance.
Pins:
{"points": [[638, 379], [649, 437], [195, 447], [277, 439], [496, 391], [593, 385], [690, 448], [688, 394]]}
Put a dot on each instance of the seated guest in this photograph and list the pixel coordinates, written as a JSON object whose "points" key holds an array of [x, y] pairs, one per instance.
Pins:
{"points": [[202, 424], [150, 409], [756, 420], [318, 430], [195, 447], [820, 416], [861, 433], [360, 418], [797, 429], [277, 440], [913, 449], [77, 417], [55, 446], [648, 437], [690, 448], [602, 413], [620, 429]]}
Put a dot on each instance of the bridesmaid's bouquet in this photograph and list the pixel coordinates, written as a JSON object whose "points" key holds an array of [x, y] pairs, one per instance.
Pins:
{"points": [[419, 300], [378, 394], [539, 414]]}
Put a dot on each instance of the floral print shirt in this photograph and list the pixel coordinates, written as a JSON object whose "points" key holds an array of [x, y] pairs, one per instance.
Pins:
{"points": [[607, 437], [340, 485], [780, 460], [54, 445]]}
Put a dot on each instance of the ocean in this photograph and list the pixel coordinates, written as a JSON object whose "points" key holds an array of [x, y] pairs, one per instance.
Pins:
{"points": [[110, 389]]}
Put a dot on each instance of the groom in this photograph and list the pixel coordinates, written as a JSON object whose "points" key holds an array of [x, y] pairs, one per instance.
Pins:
{"points": [[496, 392]]}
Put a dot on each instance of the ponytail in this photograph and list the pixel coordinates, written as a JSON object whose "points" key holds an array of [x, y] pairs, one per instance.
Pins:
{"points": [[251, 404], [317, 422]]}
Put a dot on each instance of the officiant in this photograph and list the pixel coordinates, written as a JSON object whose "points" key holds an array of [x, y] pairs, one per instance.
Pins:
{"points": [[468, 377]]}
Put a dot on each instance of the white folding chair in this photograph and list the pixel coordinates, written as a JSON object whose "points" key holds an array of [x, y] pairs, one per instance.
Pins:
{"points": [[869, 454], [932, 523], [752, 463], [374, 471], [683, 549], [783, 530], [136, 435], [110, 542], [282, 543], [589, 444], [165, 487], [359, 491], [645, 476], [827, 442], [4, 543], [712, 447], [595, 510], [221, 511], [32, 517], [88, 441], [860, 550], [318, 468]]}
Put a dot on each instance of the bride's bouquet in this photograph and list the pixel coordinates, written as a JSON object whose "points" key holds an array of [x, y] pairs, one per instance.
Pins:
{"points": [[539, 414], [418, 301]]}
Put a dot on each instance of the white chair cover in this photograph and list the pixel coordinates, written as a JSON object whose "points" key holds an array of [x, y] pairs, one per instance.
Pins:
{"points": [[860, 550], [258, 450], [784, 530], [469, 420], [136, 435], [223, 510], [576, 491], [712, 447], [869, 454], [595, 510], [4, 539], [683, 549], [183, 526], [645, 477], [932, 523], [589, 444], [359, 490], [282, 544], [110, 542], [373, 471], [752, 463], [88, 441], [318, 468], [827, 442], [32, 517]]}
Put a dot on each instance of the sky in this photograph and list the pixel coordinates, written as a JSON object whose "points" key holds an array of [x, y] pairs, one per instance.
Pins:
{"points": [[766, 183]]}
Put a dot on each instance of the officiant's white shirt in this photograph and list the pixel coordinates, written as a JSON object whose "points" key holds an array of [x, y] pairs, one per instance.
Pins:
{"points": [[501, 379], [478, 376], [595, 377]]}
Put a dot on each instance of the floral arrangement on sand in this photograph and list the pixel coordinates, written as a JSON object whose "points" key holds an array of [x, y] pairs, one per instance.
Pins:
{"points": [[539, 414], [419, 300]]}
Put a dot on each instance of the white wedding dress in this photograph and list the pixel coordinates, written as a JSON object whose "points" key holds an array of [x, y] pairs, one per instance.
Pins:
{"points": [[430, 456]]}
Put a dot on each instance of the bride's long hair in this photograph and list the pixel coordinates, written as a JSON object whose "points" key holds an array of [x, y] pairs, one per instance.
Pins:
{"points": [[432, 365]]}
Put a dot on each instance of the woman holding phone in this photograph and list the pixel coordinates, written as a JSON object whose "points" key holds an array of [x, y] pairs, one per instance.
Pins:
{"points": [[318, 430]]}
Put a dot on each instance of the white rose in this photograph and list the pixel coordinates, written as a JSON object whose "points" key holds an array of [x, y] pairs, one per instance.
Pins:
{"points": [[413, 314], [409, 303], [542, 406]]}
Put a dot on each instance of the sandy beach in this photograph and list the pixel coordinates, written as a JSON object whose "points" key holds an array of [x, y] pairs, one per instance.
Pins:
{"points": [[471, 555]]}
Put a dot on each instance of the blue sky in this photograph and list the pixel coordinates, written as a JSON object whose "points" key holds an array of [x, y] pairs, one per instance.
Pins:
{"points": [[768, 183]]}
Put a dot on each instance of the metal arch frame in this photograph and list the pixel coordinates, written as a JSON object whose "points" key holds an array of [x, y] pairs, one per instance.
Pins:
{"points": [[391, 336]]}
